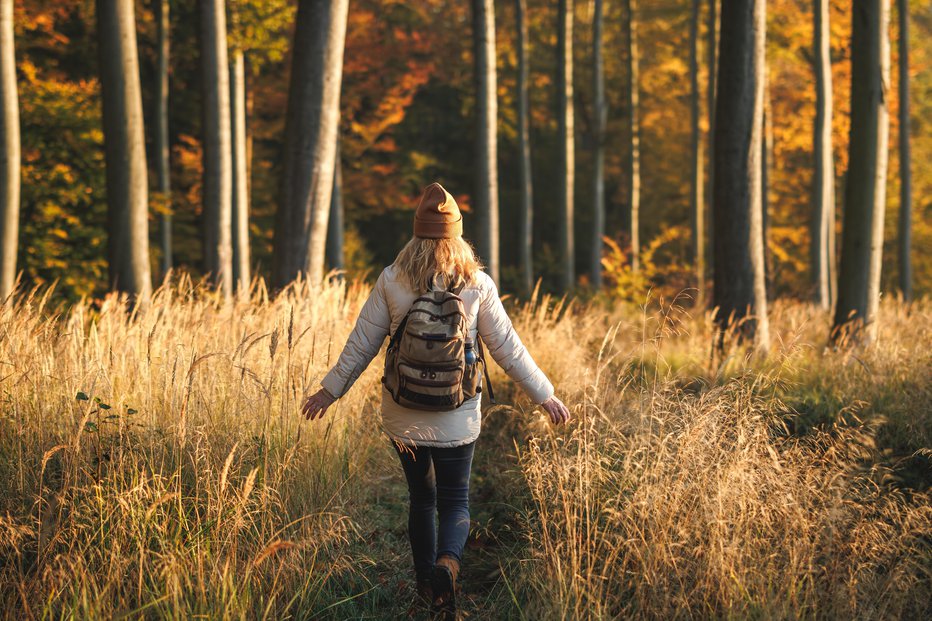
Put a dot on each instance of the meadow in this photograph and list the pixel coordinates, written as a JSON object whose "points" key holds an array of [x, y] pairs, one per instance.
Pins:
{"points": [[153, 464]]}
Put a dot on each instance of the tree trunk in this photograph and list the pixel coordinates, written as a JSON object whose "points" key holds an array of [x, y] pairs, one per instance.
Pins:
{"points": [[712, 62], [162, 146], [598, 177], [486, 132], [822, 228], [310, 141], [634, 109], [335, 256], [765, 177], [566, 122], [905, 226], [865, 185], [240, 202], [125, 149], [697, 204], [9, 153], [218, 155], [524, 145], [739, 290]]}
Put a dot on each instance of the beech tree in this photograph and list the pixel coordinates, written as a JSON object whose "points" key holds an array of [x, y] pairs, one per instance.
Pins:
{"points": [[486, 162], [904, 234], [335, 225], [125, 149], [310, 141], [524, 146], [240, 168], [9, 153], [696, 190], [739, 290], [566, 131], [218, 144], [162, 147], [598, 133], [634, 129], [865, 183], [822, 227]]}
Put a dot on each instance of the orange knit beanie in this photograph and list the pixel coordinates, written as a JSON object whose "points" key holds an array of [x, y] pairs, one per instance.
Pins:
{"points": [[437, 216]]}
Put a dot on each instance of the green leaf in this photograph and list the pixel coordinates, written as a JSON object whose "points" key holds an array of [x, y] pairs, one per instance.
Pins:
{"points": [[103, 406], [81, 396], [131, 411], [91, 427]]}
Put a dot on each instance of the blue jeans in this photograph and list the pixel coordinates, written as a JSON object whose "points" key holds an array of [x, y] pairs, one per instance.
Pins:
{"points": [[438, 481]]}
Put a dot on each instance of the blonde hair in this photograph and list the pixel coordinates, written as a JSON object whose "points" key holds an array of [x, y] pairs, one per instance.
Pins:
{"points": [[449, 261]]}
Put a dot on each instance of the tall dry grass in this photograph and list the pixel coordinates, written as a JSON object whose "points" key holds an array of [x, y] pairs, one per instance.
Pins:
{"points": [[153, 464], [153, 460], [695, 487]]}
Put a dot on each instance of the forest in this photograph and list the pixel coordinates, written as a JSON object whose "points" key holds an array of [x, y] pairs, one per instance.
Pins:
{"points": [[710, 221]]}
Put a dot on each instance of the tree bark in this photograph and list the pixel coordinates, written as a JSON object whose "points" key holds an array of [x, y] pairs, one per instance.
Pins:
{"points": [[634, 109], [162, 146], [712, 62], [218, 148], [696, 198], [240, 202], [598, 176], [9, 153], [566, 122], [335, 251], [739, 289], [822, 228], [524, 146], [486, 133], [310, 141], [865, 185], [765, 168], [904, 234], [125, 149]]}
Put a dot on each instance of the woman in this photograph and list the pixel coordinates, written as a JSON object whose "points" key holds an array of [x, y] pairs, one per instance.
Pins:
{"points": [[435, 447]]}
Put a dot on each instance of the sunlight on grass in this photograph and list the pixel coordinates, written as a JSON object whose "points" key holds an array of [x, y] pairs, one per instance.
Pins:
{"points": [[154, 463]]}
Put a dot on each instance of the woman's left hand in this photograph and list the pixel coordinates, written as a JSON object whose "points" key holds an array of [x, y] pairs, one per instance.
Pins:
{"points": [[317, 404]]}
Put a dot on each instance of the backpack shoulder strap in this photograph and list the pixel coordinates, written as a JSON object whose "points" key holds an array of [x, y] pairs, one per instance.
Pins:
{"points": [[485, 369]]}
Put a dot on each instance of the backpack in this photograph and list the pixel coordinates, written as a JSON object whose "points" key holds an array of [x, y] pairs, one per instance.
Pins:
{"points": [[426, 364]]}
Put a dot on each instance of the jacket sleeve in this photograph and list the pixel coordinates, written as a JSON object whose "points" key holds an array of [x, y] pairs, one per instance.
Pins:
{"points": [[507, 350], [372, 326]]}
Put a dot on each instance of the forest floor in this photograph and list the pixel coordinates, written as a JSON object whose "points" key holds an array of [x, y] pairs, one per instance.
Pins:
{"points": [[153, 464]]}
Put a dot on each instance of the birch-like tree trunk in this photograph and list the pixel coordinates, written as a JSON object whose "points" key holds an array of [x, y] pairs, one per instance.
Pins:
{"points": [[162, 146], [765, 168], [740, 292], [696, 190], [822, 227], [486, 133], [567, 132], [310, 141], [335, 251], [904, 234], [524, 146], [598, 135], [865, 183], [125, 149], [218, 146], [240, 202], [634, 130], [9, 153]]}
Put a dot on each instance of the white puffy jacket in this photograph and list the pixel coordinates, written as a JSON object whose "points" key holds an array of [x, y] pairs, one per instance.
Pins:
{"points": [[383, 311]]}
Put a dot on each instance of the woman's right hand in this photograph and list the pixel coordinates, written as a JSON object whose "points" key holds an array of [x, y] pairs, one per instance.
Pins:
{"points": [[558, 412]]}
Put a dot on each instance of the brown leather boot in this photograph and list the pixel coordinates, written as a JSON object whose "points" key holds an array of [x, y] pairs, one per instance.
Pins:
{"points": [[443, 583]]}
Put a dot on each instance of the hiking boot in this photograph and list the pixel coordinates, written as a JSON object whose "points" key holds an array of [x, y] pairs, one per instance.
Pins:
{"points": [[425, 592], [443, 583]]}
